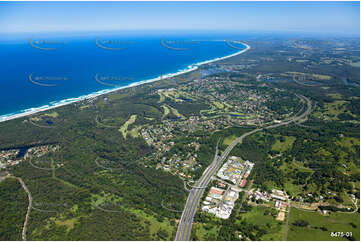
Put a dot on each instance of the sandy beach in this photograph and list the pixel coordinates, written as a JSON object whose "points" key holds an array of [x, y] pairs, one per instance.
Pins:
{"points": [[53, 105]]}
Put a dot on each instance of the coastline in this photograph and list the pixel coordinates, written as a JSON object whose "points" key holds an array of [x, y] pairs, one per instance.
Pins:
{"points": [[64, 102]]}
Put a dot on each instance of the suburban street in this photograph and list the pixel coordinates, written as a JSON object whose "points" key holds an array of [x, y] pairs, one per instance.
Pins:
{"points": [[185, 223]]}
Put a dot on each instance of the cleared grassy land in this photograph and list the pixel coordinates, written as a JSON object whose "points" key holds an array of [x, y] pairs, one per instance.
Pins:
{"points": [[315, 76], [259, 215], [98, 199], [173, 94], [176, 113], [166, 111], [220, 109], [218, 105], [332, 110], [347, 145], [206, 232], [68, 223], [124, 127], [291, 188], [334, 95], [161, 97], [135, 131], [285, 145], [52, 114], [336, 222], [155, 225], [228, 140], [336, 107], [147, 220]]}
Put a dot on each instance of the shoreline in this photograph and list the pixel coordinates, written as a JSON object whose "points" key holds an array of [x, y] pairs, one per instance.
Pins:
{"points": [[56, 104]]}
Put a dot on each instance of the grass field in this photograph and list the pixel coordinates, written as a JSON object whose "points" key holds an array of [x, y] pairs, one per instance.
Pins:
{"points": [[218, 105], [68, 223], [124, 128], [206, 231], [336, 107], [52, 114], [347, 145], [291, 188], [154, 224], [283, 146], [161, 97], [98, 199], [173, 94], [334, 95], [336, 222], [332, 110], [135, 131], [147, 220], [229, 139], [315, 76], [259, 215], [166, 111]]}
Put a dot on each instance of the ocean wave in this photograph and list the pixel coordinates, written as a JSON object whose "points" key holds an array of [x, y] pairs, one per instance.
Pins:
{"points": [[55, 104]]}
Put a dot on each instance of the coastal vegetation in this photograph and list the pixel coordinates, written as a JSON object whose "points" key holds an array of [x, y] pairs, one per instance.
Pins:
{"points": [[124, 158]]}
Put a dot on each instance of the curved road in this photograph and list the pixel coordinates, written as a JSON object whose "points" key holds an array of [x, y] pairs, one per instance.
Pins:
{"points": [[29, 207], [185, 223], [23, 234]]}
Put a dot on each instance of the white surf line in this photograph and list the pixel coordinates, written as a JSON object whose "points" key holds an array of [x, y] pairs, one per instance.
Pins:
{"points": [[67, 101]]}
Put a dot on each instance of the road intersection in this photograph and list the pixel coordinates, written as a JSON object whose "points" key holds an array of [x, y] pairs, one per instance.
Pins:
{"points": [[195, 194]]}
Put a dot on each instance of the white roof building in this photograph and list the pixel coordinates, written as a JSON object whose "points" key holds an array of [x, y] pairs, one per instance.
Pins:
{"points": [[278, 197]]}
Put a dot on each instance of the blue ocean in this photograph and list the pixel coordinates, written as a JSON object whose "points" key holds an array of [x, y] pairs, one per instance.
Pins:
{"points": [[47, 69]]}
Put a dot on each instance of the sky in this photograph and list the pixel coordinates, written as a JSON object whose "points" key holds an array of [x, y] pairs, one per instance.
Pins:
{"points": [[317, 17]]}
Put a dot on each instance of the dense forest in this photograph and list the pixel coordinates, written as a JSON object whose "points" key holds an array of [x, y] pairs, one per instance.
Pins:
{"points": [[102, 185]]}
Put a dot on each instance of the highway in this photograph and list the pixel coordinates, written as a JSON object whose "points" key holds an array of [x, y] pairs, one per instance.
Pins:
{"points": [[195, 194]]}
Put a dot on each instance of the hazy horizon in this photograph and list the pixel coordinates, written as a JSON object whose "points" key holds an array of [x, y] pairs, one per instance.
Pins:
{"points": [[341, 18]]}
